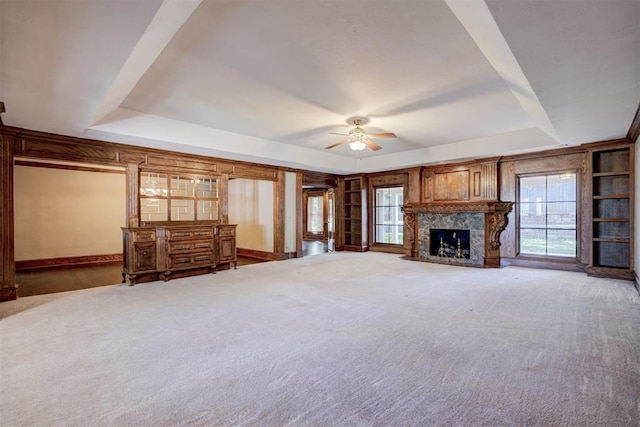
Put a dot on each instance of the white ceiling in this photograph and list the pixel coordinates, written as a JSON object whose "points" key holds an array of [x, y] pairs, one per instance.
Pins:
{"points": [[266, 81]]}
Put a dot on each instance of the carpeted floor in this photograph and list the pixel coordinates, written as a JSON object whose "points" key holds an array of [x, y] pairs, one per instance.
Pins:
{"points": [[336, 339]]}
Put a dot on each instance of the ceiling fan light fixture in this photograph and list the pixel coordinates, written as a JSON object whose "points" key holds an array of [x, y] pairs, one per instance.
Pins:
{"points": [[357, 145], [356, 138]]}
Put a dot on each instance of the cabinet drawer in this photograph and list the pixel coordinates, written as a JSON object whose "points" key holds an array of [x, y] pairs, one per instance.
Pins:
{"points": [[186, 246], [144, 236], [190, 260], [202, 233], [227, 232]]}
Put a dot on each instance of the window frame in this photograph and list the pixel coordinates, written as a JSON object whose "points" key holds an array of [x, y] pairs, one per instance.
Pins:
{"points": [[374, 216], [578, 213], [170, 175]]}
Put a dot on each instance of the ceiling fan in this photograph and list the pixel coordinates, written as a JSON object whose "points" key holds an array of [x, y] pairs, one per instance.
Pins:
{"points": [[358, 139]]}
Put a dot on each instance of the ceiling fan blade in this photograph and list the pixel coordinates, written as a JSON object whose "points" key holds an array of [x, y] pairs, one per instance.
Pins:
{"points": [[372, 145], [382, 135], [334, 145], [338, 133]]}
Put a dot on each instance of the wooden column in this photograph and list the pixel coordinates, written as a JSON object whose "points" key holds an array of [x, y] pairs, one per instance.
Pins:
{"points": [[133, 189], [8, 287], [278, 215], [224, 198], [299, 215]]}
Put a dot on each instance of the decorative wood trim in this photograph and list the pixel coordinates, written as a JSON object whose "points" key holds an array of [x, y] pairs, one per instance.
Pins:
{"points": [[299, 215], [319, 180], [67, 167], [224, 199], [279, 195], [8, 287], [457, 207], [66, 262], [133, 191], [634, 129]]}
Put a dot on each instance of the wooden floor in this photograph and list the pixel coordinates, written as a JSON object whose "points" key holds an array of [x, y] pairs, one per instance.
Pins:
{"points": [[52, 280]]}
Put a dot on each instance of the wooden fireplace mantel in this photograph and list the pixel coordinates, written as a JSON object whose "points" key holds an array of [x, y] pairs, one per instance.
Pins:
{"points": [[495, 221]]}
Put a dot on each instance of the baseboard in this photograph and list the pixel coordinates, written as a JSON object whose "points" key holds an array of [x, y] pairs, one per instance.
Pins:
{"points": [[65, 262], [9, 294]]}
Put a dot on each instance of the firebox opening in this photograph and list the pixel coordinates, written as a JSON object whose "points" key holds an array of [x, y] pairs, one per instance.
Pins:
{"points": [[449, 243]]}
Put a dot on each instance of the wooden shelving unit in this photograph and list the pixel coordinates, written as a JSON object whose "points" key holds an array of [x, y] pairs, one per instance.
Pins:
{"points": [[355, 215], [612, 191]]}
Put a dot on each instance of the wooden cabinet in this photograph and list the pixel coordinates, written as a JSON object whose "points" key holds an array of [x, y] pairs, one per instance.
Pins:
{"points": [[165, 252], [227, 245], [355, 214], [612, 212], [139, 248]]}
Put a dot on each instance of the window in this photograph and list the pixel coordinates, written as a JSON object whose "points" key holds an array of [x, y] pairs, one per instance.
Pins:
{"points": [[548, 215], [389, 221], [315, 214], [177, 198]]}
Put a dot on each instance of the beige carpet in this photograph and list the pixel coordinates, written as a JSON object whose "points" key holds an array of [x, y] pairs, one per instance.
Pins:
{"points": [[340, 339]]}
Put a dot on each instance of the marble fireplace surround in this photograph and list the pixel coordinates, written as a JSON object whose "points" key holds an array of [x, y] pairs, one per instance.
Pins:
{"points": [[484, 219]]}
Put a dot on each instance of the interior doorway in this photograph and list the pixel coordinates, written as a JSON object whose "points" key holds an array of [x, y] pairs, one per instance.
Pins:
{"points": [[318, 221]]}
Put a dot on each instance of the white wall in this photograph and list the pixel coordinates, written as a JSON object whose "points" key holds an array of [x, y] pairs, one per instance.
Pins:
{"points": [[290, 212], [251, 207], [65, 213]]}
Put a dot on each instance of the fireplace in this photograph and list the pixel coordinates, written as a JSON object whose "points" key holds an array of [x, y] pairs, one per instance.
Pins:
{"points": [[449, 243], [434, 230]]}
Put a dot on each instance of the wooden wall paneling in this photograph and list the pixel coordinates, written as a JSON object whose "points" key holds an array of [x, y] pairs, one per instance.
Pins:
{"points": [[178, 164], [223, 198], [476, 182], [489, 189], [340, 215], [452, 185], [8, 287], [66, 148], [299, 215], [508, 192], [427, 185], [319, 179], [133, 191], [278, 214], [414, 185], [267, 173], [585, 210]]}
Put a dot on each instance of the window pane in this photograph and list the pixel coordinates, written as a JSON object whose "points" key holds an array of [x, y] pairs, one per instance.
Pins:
{"points": [[153, 210], [182, 210], [532, 215], [533, 188], [181, 187], [206, 188], [207, 210], [153, 184], [561, 187], [315, 215], [561, 243], [561, 215], [533, 241]]}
